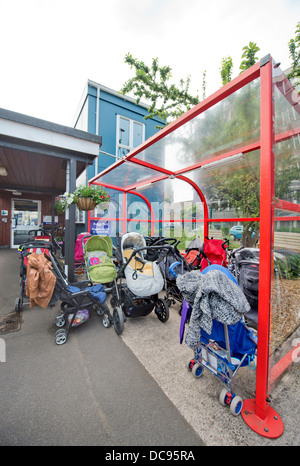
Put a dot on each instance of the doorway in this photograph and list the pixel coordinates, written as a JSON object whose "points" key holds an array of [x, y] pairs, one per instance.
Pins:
{"points": [[26, 216]]}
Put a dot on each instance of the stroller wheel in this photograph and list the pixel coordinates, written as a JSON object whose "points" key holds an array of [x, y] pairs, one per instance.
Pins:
{"points": [[61, 337], [106, 321], [162, 310], [102, 309], [60, 320], [118, 320]]}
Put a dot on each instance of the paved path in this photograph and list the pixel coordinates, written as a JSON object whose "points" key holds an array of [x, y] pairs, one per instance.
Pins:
{"points": [[91, 391]]}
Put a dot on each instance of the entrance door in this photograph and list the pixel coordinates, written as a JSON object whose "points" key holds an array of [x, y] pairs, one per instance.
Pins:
{"points": [[26, 216]]}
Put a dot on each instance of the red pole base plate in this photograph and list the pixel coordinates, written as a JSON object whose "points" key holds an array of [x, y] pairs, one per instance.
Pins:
{"points": [[271, 426]]}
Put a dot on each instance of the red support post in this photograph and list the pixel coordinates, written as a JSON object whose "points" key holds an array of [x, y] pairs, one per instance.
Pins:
{"points": [[258, 414]]}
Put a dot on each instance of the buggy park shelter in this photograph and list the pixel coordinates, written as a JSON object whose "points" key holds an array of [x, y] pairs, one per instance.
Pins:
{"points": [[38, 161], [235, 157]]}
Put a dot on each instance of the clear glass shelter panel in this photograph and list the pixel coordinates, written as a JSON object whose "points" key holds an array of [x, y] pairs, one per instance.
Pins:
{"points": [[228, 125], [179, 213], [231, 186], [286, 276], [127, 174], [106, 219], [286, 289]]}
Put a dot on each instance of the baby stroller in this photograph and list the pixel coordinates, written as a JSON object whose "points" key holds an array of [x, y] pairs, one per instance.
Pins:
{"points": [[98, 259], [25, 249], [77, 300], [79, 262], [168, 258], [226, 344], [139, 295], [213, 251]]}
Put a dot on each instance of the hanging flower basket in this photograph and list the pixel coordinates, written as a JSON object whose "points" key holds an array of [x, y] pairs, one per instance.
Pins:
{"points": [[85, 197], [86, 203]]}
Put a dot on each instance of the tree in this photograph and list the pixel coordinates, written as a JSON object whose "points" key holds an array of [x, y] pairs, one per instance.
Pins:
{"points": [[167, 101], [249, 56]]}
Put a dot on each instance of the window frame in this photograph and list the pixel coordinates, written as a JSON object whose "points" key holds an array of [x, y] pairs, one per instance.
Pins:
{"points": [[131, 134]]}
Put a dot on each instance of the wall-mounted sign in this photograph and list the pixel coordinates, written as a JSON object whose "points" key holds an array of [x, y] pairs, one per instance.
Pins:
{"points": [[100, 227]]}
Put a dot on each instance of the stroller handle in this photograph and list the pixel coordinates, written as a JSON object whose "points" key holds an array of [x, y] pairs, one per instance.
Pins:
{"points": [[171, 268], [145, 248], [36, 243]]}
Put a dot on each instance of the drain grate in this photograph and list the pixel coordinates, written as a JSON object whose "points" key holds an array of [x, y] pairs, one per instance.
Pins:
{"points": [[10, 323]]}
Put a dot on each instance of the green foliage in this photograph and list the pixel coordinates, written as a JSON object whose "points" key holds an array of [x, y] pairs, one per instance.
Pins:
{"points": [[288, 268], [97, 193], [151, 83], [226, 70], [249, 56], [294, 48]]}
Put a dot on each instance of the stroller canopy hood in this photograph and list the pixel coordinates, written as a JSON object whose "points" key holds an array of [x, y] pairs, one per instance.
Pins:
{"points": [[99, 243], [132, 241]]}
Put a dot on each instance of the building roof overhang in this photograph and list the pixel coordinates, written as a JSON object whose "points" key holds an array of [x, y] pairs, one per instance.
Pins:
{"points": [[35, 153]]}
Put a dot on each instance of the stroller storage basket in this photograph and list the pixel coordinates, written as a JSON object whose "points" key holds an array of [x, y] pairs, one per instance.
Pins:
{"points": [[132, 305]]}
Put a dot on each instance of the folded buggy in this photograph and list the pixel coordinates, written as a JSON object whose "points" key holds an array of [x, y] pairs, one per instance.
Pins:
{"points": [[139, 295], [221, 341], [98, 259]]}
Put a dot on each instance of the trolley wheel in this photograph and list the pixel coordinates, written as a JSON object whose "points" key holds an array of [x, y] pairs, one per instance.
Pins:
{"points": [[223, 397], [162, 310], [61, 337], [60, 320], [106, 321], [18, 305], [197, 370], [234, 401], [236, 405], [118, 319], [190, 364]]}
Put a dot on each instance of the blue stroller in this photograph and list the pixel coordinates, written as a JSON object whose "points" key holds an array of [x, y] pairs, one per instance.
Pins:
{"points": [[222, 351]]}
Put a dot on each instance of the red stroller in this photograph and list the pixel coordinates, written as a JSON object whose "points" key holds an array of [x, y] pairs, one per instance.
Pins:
{"points": [[214, 251]]}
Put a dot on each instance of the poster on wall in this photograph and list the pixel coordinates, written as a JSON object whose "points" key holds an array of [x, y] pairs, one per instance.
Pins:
{"points": [[100, 227]]}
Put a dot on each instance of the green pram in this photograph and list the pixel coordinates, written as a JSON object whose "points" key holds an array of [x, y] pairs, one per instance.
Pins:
{"points": [[97, 253]]}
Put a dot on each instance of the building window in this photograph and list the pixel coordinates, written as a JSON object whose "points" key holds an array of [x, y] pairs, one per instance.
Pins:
{"points": [[130, 134]]}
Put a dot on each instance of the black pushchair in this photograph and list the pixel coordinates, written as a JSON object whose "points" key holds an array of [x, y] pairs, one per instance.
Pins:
{"points": [[172, 256], [137, 295], [245, 266], [77, 300]]}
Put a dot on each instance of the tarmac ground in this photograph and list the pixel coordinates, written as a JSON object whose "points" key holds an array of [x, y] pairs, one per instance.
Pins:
{"points": [[108, 390]]}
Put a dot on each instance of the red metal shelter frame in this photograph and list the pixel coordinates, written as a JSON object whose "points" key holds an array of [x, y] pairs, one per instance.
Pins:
{"points": [[257, 413]]}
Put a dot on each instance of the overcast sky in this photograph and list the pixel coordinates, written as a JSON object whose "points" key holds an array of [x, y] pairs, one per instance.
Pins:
{"points": [[50, 48]]}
